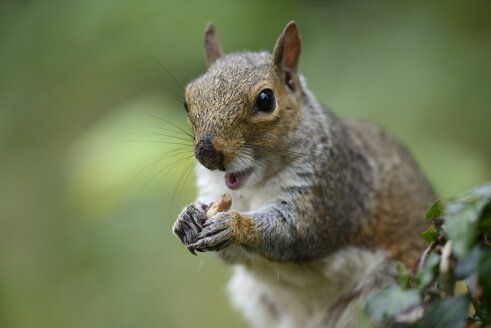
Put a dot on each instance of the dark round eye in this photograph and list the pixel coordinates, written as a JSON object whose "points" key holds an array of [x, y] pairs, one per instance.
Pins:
{"points": [[186, 107], [265, 102]]}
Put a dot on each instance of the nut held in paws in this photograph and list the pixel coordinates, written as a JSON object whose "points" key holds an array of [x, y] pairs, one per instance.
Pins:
{"points": [[221, 204]]}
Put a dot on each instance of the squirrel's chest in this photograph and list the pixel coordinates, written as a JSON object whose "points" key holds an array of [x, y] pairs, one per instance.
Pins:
{"points": [[318, 294]]}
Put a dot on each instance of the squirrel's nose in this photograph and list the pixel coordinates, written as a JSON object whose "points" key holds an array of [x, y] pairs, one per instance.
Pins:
{"points": [[207, 155]]}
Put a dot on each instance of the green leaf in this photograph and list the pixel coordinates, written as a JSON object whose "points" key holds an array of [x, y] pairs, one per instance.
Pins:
{"points": [[430, 235], [484, 272], [427, 274], [485, 221], [389, 301], [467, 266], [471, 210], [434, 211], [403, 279], [460, 226], [464, 215], [447, 313]]}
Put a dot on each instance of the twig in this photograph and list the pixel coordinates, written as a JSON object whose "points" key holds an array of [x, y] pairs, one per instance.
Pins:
{"points": [[445, 269], [438, 222], [424, 256]]}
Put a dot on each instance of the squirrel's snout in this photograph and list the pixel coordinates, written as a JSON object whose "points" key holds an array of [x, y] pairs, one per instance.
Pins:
{"points": [[206, 153]]}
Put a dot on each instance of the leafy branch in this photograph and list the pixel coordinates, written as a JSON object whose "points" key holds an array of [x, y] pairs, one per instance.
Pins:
{"points": [[450, 284]]}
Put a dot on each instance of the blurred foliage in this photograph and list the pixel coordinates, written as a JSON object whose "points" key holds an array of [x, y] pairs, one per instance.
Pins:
{"points": [[90, 186], [458, 255]]}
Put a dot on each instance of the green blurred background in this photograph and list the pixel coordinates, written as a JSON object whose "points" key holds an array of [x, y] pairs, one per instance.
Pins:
{"points": [[87, 193]]}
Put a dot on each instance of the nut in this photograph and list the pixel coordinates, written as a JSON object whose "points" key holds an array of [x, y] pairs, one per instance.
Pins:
{"points": [[221, 204]]}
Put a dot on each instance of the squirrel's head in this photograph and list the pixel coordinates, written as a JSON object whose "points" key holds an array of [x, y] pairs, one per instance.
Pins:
{"points": [[244, 108]]}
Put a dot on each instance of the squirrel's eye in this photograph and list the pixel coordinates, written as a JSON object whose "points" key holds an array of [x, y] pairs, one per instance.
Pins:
{"points": [[186, 107], [265, 102]]}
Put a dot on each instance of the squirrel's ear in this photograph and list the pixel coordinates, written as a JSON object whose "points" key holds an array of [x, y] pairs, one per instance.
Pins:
{"points": [[287, 50], [212, 47]]}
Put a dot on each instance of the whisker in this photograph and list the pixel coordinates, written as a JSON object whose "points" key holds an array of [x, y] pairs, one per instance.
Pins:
{"points": [[180, 186], [166, 170], [178, 97], [264, 165], [160, 142], [159, 134], [179, 85], [283, 151], [287, 153], [175, 152], [166, 129], [272, 170], [178, 100], [168, 122]]}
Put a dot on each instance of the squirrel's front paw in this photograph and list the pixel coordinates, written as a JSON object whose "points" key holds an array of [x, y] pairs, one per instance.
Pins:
{"points": [[190, 223], [221, 230]]}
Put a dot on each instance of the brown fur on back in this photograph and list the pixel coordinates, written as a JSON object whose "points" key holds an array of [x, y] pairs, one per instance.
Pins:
{"points": [[401, 199]]}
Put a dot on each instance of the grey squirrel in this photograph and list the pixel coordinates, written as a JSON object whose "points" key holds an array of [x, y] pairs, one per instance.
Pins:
{"points": [[321, 207]]}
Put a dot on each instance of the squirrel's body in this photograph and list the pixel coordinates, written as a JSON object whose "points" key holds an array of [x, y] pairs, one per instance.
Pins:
{"points": [[322, 208]]}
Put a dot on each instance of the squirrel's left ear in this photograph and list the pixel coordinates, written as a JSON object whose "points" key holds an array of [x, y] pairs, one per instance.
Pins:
{"points": [[287, 52], [212, 47]]}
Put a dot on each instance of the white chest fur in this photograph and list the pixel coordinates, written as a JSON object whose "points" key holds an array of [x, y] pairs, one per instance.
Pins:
{"points": [[326, 293]]}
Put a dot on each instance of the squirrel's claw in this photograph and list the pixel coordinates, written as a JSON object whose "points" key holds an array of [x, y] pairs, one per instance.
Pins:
{"points": [[217, 233], [191, 250], [200, 234], [214, 242], [190, 223]]}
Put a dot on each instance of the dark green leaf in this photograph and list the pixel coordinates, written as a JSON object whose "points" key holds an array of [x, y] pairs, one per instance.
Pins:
{"points": [[427, 274], [467, 266], [434, 211], [447, 313], [460, 226], [403, 279], [484, 272], [389, 301], [463, 217], [480, 312], [485, 222], [430, 235]]}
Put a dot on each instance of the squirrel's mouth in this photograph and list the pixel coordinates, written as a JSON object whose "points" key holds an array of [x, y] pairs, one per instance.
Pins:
{"points": [[235, 180]]}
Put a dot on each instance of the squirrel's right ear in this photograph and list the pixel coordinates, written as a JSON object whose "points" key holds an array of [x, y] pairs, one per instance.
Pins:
{"points": [[287, 52], [212, 47]]}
